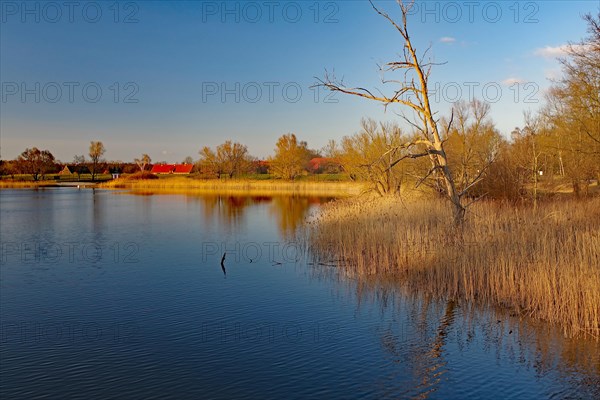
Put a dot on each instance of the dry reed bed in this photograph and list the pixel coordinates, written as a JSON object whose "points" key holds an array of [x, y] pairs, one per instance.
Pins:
{"points": [[543, 263], [239, 187], [25, 184]]}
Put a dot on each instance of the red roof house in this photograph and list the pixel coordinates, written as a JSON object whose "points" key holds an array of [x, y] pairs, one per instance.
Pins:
{"points": [[322, 164], [162, 169], [183, 168], [172, 168], [260, 166]]}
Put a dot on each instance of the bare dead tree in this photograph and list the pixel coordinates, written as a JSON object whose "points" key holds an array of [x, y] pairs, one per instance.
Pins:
{"points": [[142, 162], [413, 93]]}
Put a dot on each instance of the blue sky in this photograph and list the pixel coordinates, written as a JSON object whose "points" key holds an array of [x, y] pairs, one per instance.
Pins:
{"points": [[166, 78]]}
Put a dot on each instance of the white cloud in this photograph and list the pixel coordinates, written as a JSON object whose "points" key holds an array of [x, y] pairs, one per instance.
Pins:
{"points": [[557, 51], [512, 81], [552, 74], [447, 39]]}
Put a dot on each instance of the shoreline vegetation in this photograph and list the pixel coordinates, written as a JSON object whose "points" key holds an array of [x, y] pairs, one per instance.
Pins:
{"points": [[232, 187], [13, 184], [240, 187], [328, 185], [538, 262]]}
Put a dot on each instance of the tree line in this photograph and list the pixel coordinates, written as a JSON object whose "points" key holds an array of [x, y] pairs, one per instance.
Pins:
{"points": [[462, 156], [39, 163], [228, 160]]}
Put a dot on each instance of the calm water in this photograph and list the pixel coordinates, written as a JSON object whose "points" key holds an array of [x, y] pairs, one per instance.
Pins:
{"points": [[112, 295]]}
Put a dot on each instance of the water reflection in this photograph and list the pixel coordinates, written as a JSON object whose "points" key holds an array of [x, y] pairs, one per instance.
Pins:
{"points": [[432, 342], [289, 212], [275, 330], [430, 365]]}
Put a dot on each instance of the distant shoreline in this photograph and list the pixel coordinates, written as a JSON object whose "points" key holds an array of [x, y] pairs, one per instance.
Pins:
{"points": [[240, 187], [44, 184]]}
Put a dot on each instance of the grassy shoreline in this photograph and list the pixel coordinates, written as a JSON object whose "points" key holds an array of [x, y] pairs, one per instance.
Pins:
{"points": [[233, 187], [541, 263], [242, 187], [25, 184]]}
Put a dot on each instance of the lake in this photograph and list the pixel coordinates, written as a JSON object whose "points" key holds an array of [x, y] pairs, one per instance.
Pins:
{"points": [[107, 294]]}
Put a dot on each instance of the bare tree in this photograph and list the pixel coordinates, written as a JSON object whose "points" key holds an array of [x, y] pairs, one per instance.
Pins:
{"points": [[143, 162], [330, 150], [472, 144], [414, 94], [531, 130], [527, 150], [573, 110], [208, 163], [234, 157], [580, 86], [96, 151], [231, 158], [361, 156], [79, 162]]}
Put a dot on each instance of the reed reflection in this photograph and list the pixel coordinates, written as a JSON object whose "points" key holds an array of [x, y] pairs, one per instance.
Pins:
{"points": [[420, 334]]}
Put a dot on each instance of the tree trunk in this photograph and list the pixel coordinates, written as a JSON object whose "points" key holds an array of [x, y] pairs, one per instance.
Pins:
{"points": [[419, 103], [93, 172], [535, 187], [576, 187], [458, 210]]}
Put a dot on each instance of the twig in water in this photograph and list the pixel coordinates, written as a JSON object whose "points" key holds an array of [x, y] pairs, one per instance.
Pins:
{"points": [[223, 264]]}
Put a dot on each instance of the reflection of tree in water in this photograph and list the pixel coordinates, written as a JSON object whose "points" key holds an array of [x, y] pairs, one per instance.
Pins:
{"points": [[429, 361], [228, 210], [420, 335], [420, 347], [290, 212]]}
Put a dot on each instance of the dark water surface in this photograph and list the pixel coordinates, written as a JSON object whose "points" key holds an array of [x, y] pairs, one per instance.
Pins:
{"points": [[112, 295]]}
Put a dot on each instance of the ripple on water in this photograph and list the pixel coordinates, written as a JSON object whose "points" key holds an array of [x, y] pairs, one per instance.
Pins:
{"points": [[172, 326]]}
